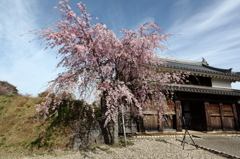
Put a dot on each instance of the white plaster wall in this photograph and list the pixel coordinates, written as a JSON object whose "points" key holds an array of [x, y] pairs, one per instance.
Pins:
{"points": [[216, 82]]}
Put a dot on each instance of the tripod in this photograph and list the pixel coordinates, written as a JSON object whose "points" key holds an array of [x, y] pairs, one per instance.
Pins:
{"points": [[186, 120]]}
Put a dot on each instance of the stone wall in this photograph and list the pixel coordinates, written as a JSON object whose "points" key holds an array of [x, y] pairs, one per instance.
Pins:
{"points": [[86, 132]]}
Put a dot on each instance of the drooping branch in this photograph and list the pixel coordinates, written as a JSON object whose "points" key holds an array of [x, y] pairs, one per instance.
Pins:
{"points": [[94, 58]]}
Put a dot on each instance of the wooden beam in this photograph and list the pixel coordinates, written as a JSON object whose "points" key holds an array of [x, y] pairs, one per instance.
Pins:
{"points": [[235, 117], [178, 114], [208, 119], [153, 112], [222, 116], [206, 97]]}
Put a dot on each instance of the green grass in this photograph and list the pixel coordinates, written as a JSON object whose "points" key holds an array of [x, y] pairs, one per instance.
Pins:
{"points": [[9, 95], [25, 134]]}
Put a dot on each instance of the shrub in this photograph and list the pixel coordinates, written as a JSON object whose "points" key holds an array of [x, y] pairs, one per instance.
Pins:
{"points": [[7, 88], [26, 95], [45, 93]]}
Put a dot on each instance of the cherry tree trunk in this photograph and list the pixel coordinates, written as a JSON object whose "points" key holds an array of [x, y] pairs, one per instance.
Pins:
{"points": [[115, 132], [110, 132]]}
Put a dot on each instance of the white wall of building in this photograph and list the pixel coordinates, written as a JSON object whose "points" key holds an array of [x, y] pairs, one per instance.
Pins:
{"points": [[223, 83]]}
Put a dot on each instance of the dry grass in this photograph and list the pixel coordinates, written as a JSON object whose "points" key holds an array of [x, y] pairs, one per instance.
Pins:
{"points": [[20, 133]]}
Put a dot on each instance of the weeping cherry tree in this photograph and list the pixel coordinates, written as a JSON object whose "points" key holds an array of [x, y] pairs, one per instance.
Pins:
{"points": [[124, 70]]}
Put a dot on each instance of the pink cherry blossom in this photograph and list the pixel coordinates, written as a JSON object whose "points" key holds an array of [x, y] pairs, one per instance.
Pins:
{"points": [[124, 70]]}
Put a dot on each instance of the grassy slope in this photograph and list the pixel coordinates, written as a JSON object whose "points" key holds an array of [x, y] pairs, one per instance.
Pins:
{"points": [[19, 131]]}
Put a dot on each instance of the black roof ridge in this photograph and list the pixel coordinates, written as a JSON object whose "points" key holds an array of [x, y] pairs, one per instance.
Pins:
{"points": [[197, 63], [202, 66], [199, 86], [180, 61], [218, 69], [204, 89]]}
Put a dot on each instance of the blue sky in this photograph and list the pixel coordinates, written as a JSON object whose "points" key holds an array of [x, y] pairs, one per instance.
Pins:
{"points": [[206, 28]]}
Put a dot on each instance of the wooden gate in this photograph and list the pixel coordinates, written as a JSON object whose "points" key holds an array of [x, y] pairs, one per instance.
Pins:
{"points": [[150, 122], [222, 116], [228, 117], [215, 116]]}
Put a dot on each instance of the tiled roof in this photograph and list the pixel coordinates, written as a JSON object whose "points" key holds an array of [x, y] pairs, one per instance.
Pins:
{"points": [[196, 66], [205, 90]]}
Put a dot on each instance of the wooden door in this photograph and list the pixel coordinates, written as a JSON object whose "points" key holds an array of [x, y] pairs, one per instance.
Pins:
{"points": [[215, 116], [150, 122], [228, 117]]}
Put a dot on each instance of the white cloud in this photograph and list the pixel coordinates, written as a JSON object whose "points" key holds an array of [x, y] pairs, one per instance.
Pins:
{"points": [[211, 17], [211, 31], [23, 64]]}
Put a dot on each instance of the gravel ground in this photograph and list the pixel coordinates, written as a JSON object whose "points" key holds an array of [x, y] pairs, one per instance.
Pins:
{"points": [[224, 144], [141, 149]]}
